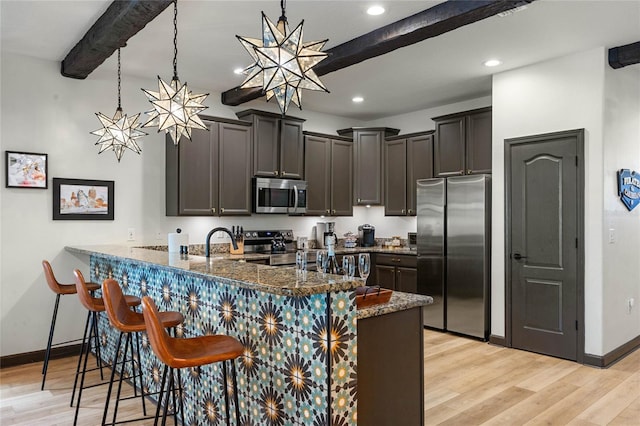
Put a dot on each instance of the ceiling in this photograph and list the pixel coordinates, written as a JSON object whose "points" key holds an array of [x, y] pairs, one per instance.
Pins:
{"points": [[437, 71]]}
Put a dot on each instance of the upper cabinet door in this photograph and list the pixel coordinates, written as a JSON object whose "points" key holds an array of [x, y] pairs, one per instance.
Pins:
{"points": [[266, 152], [479, 143], [341, 178], [192, 186], [419, 166], [368, 167], [291, 150], [317, 165], [395, 177], [234, 169], [449, 152]]}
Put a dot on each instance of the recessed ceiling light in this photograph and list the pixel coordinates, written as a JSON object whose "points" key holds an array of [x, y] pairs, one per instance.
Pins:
{"points": [[492, 63], [375, 10], [357, 99], [238, 70]]}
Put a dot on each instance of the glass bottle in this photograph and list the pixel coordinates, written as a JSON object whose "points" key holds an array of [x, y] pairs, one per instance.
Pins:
{"points": [[332, 263]]}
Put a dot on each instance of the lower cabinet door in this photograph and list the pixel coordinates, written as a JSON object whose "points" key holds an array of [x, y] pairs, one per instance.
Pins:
{"points": [[386, 276], [407, 280]]}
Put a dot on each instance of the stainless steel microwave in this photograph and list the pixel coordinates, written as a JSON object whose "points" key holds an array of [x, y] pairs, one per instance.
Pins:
{"points": [[279, 196]]}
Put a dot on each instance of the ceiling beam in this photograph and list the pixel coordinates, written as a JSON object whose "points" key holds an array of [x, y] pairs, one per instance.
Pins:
{"points": [[432, 22], [621, 56], [121, 21]]}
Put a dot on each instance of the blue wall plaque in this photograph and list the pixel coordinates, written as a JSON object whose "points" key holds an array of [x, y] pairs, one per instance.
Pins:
{"points": [[629, 188]]}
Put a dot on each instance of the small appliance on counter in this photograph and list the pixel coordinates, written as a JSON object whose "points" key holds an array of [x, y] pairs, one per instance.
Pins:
{"points": [[238, 234], [367, 235], [412, 240], [324, 230]]}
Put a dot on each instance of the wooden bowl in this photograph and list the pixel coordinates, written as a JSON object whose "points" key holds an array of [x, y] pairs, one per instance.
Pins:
{"points": [[369, 296]]}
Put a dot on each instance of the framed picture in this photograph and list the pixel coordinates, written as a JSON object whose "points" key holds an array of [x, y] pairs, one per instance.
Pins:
{"points": [[81, 199], [26, 170]]}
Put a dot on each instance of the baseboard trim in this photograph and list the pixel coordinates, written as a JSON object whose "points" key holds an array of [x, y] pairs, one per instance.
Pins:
{"points": [[38, 356], [497, 340], [606, 360]]}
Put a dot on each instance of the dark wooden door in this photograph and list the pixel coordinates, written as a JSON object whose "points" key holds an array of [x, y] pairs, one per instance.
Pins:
{"points": [[543, 239], [449, 149], [478, 155], [197, 173], [317, 165], [291, 150], [407, 280], [234, 169], [395, 177], [265, 151], [341, 187], [386, 276], [368, 167], [419, 166]]}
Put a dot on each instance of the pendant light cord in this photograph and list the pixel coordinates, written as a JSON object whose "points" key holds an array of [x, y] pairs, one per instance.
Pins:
{"points": [[175, 39], [119, 106], [283, 6]]}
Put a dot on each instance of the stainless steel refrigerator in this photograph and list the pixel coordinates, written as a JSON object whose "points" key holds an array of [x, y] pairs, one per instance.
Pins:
{"points": [[454, 232]]}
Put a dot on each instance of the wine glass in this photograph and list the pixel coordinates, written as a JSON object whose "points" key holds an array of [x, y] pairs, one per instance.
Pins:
{"points": [[349, 266], [364, 265], [321, 261]]}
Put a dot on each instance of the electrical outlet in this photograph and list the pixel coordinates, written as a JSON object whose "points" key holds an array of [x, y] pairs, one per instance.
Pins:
{"points": [[131, 234], [612, 235], [630, 303]]}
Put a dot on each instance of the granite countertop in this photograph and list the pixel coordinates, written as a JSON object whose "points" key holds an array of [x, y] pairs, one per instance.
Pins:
{"points": [[399, 302], [226, 267]]}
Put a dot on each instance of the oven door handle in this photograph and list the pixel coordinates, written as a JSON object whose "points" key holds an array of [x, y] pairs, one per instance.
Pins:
{"points": [[295, 199]]}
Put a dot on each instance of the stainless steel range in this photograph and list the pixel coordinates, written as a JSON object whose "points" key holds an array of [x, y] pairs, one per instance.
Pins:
{"points": [[278, 243]]}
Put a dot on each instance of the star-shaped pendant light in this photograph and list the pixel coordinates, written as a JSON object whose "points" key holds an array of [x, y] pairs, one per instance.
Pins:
{"points": [[283, 63], [176, 108], [120, 132]]}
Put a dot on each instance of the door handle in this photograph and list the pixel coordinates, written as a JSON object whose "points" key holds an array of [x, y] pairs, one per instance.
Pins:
{"points": [[518, 256]]}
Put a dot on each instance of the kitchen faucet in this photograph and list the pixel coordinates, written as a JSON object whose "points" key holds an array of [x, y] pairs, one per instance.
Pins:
{"points": [[207, 250]]}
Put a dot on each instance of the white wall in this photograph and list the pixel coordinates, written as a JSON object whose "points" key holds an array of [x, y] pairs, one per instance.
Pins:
{"points": [[421, 120], [621, 258], [560, 94]]}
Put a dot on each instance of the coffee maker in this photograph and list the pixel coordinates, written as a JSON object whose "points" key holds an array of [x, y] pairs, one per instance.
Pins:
{"points": [[324, 230], [367, 235]]}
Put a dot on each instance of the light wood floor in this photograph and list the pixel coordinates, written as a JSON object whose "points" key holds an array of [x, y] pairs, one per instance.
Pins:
{"points": [[466, 383]]}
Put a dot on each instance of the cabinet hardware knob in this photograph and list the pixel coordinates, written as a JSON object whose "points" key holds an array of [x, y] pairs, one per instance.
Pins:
{"points": [[328, 211], [213, 209], [283, 173], [461, 172], [333, 211], [275, 173], [469, 171], [221, 209], [410, 211], [402, 211], [358, 199]]}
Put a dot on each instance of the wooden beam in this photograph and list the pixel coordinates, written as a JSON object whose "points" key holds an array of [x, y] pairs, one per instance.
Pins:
{"points": [[621, 56], [432, 22], [121, 21]]}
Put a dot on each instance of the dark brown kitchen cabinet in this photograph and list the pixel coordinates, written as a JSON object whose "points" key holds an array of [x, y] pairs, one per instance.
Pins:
{"points": [[397, 272], [329, 174], [210, 176], [462, 144], [278, 149], [368, 163], [407, 158]]}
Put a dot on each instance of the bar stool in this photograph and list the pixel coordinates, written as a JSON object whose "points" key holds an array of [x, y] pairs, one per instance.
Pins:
{"points": [[190, 352], [94, 305], [127, 321], [59, 290]]}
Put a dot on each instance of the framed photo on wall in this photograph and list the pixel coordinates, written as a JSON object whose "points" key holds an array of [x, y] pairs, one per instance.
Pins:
{"points": [[26, 170], [81, 199]]}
